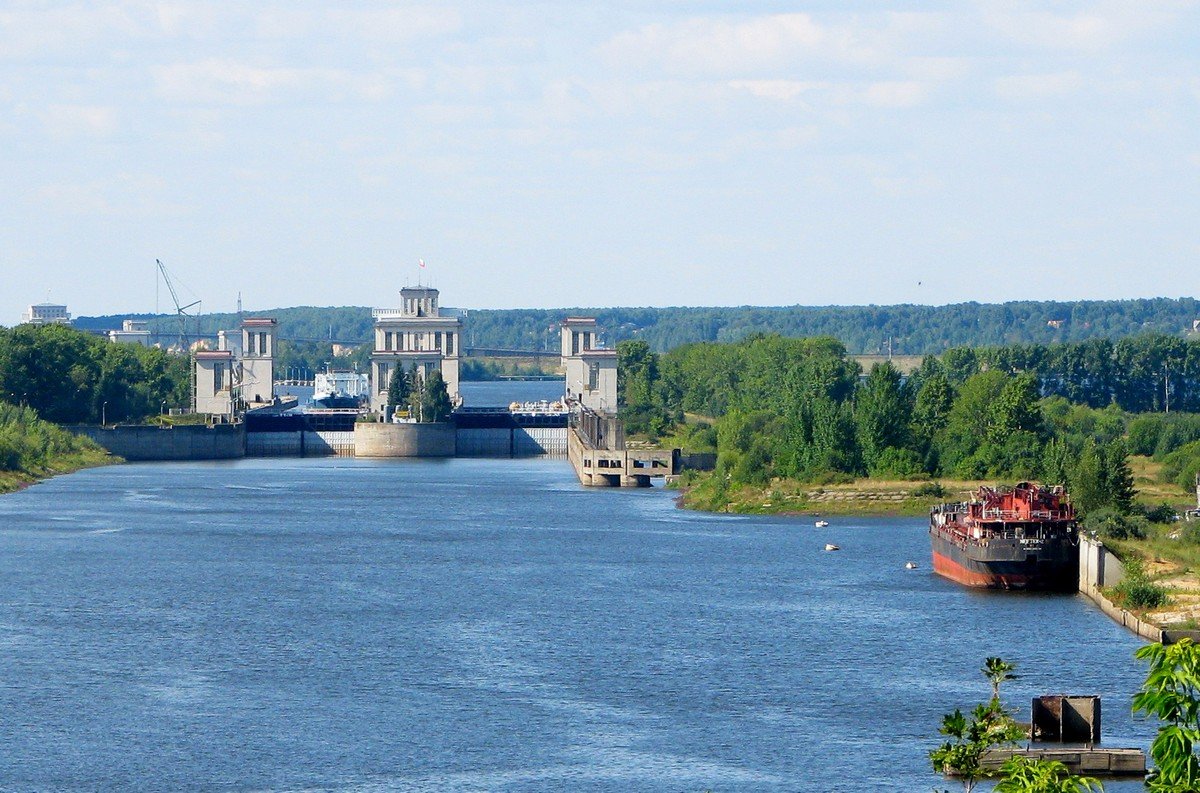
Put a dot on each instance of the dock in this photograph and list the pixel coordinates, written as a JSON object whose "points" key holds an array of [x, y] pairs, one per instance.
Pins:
{"points": [[1088, 760]]}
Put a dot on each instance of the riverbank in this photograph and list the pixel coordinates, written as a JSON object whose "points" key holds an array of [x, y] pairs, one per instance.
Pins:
{"points": [[11, 481], [864, 497]]}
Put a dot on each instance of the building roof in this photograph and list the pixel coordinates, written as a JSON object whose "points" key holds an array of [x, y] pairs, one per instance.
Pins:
{"points": [[212, 355], [259, 321]]}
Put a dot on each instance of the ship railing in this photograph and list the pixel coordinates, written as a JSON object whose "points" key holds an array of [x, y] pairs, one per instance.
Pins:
{"points": [[1036, 514]]}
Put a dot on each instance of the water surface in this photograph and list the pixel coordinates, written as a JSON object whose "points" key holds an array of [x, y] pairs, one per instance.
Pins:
{"points": [[342, 624]]}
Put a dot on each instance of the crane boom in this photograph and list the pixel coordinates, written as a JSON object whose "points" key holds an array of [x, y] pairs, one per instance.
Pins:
{"points": [[180, 310]]}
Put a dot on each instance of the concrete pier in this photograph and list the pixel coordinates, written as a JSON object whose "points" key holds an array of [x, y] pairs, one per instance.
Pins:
{"points": [[373, 439], [596, 449]]}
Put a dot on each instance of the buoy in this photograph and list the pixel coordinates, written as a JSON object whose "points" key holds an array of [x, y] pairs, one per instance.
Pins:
{"points": [[831, 547], [910, 566]]}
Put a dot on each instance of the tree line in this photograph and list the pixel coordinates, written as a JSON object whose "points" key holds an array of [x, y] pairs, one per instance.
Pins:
{"points": [[72, 377], [800, 409], [904, 329]]}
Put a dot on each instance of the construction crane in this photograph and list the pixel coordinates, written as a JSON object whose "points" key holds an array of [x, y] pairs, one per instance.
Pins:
{"points": [[180, 310]]}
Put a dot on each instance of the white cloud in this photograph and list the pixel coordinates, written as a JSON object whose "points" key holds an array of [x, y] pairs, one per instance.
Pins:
{"points": [[64, 121], [778, 90], [227, 81], [1038, 86], [895, 93], [1102, 26], [708, 45]]}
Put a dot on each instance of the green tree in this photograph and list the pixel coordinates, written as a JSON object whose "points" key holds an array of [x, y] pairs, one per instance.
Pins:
{"points": [[399, 388], [1171, 694], [435, 399], [997, 671], [1022, 775], [882, 414], [990, 726], [968, 741]]}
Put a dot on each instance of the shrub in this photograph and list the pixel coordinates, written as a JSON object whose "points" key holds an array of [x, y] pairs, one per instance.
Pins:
{"points": [[1136, 590], [896, 463], [1111, 524], [1163, 513], [929, 490], [1139, 595]]}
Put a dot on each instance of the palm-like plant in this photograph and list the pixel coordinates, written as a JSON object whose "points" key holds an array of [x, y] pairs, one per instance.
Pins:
{"points": [[1022, 775], [997, 670]]}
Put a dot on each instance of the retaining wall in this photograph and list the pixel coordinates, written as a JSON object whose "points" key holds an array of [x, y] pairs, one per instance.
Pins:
{"points": [[511, 441], [1099, 567], [404, 440], [148, 442]]}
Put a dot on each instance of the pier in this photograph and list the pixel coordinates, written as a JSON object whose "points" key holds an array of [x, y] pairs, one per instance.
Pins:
{"points": [[597, 451]]}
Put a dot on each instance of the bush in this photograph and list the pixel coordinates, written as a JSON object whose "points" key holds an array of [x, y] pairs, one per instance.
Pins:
{"points": [[1139, 595], [1112, 525], [1136, 590], [1182, 465], [1163, 513], [929, 490]]}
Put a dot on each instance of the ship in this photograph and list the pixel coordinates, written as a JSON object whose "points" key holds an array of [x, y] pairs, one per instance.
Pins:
{"points": [[339, 390], [1023, 537]]}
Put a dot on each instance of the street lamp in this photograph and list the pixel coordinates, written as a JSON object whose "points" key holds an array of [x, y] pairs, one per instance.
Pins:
{"points": [[162, 408], [104, 414]]}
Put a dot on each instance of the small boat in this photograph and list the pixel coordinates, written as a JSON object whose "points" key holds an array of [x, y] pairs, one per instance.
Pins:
{"points": [[820, 524], [910, 566], [831, 547]]}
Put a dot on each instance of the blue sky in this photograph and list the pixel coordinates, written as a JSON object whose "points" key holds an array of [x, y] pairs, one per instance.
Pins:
{"points": [[625, 153]]}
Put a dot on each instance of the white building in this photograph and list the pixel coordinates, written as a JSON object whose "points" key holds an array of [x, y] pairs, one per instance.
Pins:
{"points": [[215, 370], [591, 369], [258, 360], [133, 331], [239, 374], [416, 334], [46, 314]]}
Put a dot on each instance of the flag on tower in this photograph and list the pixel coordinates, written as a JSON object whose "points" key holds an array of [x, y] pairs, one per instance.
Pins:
{"points": [[422, 263]]}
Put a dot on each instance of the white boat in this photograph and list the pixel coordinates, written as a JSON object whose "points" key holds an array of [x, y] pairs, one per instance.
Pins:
{"points": [[831, 547], [340, 390], [820, 524], [542, 408]]}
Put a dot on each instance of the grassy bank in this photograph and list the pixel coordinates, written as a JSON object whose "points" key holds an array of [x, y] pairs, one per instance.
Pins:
{"points": [[32, 449], [707, 492]]}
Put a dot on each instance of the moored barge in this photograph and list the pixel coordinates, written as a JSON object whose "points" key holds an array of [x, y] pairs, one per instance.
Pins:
{"points": [[1024, 537]]}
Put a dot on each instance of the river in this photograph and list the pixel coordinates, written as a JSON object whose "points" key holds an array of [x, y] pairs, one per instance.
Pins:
{"points": [[343, 624]]}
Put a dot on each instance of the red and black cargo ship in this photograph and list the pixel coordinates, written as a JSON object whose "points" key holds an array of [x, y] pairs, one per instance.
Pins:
{"points": [[1023, 537]]}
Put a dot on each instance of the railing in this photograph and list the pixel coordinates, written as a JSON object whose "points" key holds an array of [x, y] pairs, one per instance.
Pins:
{"points": [[1035, 514]]}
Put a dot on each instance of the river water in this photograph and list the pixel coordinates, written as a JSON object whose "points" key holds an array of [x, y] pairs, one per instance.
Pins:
{"points": [[342, 624]]}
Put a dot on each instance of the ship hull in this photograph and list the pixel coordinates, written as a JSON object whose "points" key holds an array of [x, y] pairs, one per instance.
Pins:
{"points": [[1054, 567], [337, 402]]}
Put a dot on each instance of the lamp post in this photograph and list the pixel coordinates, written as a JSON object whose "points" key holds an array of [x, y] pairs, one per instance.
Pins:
{"points": [[162, 408], [104, 414]]}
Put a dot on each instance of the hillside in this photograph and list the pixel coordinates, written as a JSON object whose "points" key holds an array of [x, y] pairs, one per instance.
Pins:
{"points": [[910, 329]]}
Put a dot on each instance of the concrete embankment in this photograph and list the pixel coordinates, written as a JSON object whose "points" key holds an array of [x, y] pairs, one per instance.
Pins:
{"points": [[147, 442], [1098, 568]]}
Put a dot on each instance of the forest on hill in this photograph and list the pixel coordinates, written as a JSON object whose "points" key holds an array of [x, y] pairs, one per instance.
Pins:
{"points": [[901, 329]]}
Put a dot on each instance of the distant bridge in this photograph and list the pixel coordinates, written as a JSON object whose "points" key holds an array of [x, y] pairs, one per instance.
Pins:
{"points": [[506, 352]]}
